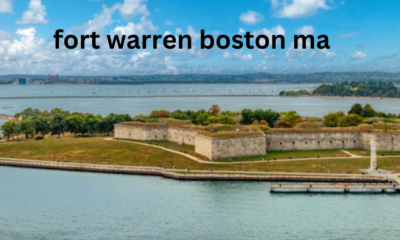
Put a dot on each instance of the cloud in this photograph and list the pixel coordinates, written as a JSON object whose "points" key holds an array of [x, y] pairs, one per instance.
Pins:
{"points": [[35, 15], [251, 17], [169, 22], [305, 30], [5, 6], [322, 53], [244, 57], [131, 8], [226, 55], [298, 8], [359, 54], [348, 35]]}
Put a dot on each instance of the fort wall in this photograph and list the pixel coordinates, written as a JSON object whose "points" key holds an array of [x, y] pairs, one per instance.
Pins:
{"points": [[220, 148]]}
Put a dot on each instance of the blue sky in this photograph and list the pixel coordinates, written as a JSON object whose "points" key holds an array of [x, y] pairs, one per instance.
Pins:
{"points": [[363, 35]]}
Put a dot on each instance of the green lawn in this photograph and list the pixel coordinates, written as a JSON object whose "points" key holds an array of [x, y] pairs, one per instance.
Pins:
{"points": [[96, 150], [289, 154]]}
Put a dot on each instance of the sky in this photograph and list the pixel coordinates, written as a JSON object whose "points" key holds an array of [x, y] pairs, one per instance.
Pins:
{"points": [[363, 36]]}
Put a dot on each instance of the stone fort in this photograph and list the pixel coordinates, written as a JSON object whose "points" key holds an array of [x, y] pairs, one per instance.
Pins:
{"points": [[241, 146]]}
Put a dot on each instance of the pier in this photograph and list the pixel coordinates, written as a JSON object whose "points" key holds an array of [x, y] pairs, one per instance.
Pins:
{"points": [[335, 187]]}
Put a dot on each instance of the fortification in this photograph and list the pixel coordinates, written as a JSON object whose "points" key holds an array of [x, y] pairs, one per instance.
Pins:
{"points": [[241, 145]]}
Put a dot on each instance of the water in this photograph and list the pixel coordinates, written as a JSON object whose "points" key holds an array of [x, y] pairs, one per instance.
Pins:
{"points": [[45, 204], [317, 107]]}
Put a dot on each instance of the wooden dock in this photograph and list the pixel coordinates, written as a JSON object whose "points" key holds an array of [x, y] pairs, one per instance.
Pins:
{"points": [[346, 188]]}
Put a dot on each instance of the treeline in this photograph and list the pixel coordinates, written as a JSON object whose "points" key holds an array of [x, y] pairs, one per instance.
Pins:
{"points": [[351, 89], [36, 124]]}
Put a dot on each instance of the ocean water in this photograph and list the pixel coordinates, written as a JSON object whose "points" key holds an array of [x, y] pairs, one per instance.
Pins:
{"points": [[48, 204], [175, 98]]}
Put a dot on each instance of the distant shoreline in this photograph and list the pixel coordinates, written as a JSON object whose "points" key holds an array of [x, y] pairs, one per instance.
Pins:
{"points": [[193, 96]]}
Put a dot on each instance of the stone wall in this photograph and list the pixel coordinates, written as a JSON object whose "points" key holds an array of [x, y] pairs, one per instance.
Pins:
{"points": [[313, 141], [237, 147], [219, 148]]}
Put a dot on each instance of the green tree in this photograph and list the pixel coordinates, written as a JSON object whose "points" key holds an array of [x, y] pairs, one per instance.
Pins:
{"points": [[9, 129], [179, 114], [291, 117], [247, 116], [74, 123], [91, 124], [194, 115], [58, 125], [356, 109], [41, 125], [227, 120], [368, 111], [331, 120], [202, 119], [350, 120], [26, 127]]}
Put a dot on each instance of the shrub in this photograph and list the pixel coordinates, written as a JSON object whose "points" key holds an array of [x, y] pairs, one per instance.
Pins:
{"points": [[307, 125], [263, 122], [160, 114], [39, 138], [312, 120], [298, 121], [255, 122], [282, 124], [331, 119], [350, 120], [291, 117]]}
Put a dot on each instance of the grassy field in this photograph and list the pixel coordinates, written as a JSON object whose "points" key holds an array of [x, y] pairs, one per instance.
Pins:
{"points": [[361, 152], [174, 146], [96, 150], [289, 154]]}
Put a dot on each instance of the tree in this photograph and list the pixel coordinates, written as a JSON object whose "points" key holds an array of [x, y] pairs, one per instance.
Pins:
{"points": [[41, 125], [179, 114], [202, 119], [331, 119], [282, 124], [194, 115], [160, 114], [91, 124], [74, 123], [9, 129], [214, 110], [368, 111], [350, 120], [247, 116], [227, 120], [26, 127], [213, 119], [291, 117], [356, 109], [58, 125]]}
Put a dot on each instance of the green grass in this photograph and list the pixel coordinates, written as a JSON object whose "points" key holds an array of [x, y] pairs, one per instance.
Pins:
{"points": [[100, 151], [289, 154], [361, 152]]}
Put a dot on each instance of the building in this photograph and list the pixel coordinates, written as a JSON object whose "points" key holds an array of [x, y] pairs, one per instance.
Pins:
{"points": [[22, 81], [54, 78], [244, 143]]}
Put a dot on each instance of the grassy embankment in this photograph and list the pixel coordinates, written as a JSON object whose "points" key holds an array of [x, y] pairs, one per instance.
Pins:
{"points": [[96, 150]]}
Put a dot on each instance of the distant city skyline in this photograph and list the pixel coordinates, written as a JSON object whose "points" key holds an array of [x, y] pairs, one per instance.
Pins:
{"points": [[363, 36]]}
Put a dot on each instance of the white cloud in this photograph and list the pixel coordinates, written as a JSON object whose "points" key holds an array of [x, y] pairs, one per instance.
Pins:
{"points": [[132, 8], [278, 30], [305, 30], [251, 17], [226, 55], [241, 31], [35, 15], [169, 22], [359, 54], [348, 35], [298, 8], [99, 21], [244, 57], [322, 53], [5, 6]]}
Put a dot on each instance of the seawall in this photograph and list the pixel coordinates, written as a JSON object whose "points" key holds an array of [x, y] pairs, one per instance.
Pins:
{"points": [[181, 175]]}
